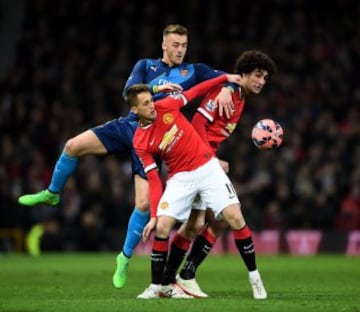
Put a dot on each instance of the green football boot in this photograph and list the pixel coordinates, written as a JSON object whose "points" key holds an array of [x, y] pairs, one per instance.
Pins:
{"points": [[43, 197], [120, 275]]}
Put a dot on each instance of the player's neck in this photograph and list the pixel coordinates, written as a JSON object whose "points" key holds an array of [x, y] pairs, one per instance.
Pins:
{"points": [[168, 62], [145, 122], [243, 92]]}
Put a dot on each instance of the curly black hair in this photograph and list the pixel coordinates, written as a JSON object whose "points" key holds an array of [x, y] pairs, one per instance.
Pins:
{"points": [[250, 60]]}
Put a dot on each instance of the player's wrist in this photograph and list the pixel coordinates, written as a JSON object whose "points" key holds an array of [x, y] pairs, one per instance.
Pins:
{"points": [[230, 88], [155, 89]]}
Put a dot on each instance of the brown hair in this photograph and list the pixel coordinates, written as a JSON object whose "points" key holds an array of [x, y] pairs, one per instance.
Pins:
{"points": [[133, 91], [175, 29]]}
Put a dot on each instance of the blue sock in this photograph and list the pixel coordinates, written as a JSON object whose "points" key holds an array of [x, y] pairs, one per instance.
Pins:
{"points": [[137, 222], [64, 168]]}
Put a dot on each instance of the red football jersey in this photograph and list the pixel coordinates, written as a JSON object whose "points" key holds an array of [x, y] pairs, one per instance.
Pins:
{"points": [[216, 129], [173, 139]]}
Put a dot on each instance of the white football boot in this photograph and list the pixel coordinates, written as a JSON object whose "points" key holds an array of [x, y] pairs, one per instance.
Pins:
{"points": [[174, 291], [191, 287], [258, 288], [152, 292]]}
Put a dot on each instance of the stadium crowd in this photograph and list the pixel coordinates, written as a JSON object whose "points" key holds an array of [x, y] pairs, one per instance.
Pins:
{"points": [[74, 57]]}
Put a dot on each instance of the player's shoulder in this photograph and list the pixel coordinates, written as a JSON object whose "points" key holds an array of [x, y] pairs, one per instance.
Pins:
{"points": [[201, 66], [130, 117], [148, 62]]}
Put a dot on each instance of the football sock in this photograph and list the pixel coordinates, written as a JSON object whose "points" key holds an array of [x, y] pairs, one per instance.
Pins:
{"points": [[158, 259], [64, 168], [200, 249], [245, 245], [178, 248], [137, 222]]}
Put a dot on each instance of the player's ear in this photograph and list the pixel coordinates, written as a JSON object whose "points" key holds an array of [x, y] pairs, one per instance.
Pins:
{"points": [[163, 45], [134, 109]]}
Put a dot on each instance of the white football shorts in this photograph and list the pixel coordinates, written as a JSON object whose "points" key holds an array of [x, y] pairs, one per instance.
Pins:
{"points": [[209, 181]]}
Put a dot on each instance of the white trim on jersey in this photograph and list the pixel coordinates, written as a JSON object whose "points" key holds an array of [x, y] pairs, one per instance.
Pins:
{"points": [[205, 114], [150, 167], [184, 99]]}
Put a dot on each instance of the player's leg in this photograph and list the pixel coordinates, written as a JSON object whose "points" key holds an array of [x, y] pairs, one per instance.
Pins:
{"points": [[178, 248], [136, 224], [245, 245], [159, 287], [174, 205], [218, 192], [85, 143], [181, 242], [201, 247], [158, 257]]}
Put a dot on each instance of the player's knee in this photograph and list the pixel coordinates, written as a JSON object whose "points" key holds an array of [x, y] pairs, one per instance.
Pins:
{"points": [[233, 216], [195, 226], [142, 204], [217, 228], [192, 229], [163, 229], [72, 148]]}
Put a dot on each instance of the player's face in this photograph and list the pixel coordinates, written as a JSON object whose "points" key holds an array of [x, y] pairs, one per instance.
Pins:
{"points": [[174, 49], [145, 108], [255, 81]]}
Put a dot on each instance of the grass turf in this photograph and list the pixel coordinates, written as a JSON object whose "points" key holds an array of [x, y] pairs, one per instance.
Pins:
{"points": [[82, 282]]}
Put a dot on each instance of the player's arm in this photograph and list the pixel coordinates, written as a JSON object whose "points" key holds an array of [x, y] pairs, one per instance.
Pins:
{"points": [[155, 190], [137, 75], [153, 177], [204, 87], [223, 100]]}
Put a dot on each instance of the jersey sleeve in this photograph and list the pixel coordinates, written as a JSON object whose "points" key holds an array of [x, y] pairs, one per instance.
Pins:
{"points": [[137, 75], [202, 88], [152, 174], [204, 72], [155, 190]]}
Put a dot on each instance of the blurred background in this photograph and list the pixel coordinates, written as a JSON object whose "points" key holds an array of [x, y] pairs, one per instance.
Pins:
{"points": [[63, 65]]}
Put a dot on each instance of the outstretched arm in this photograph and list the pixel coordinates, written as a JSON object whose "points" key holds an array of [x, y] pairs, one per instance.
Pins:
{"points": [[205, 86]]}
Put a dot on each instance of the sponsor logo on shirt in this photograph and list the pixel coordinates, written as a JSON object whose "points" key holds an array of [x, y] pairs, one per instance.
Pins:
{"points": [[164, 205], [168, 118], [168, 137]]}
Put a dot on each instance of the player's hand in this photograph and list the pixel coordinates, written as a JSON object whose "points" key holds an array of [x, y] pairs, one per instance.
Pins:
{"points": [[224, 102], [225, 165], [148, 229], [170, 87]]}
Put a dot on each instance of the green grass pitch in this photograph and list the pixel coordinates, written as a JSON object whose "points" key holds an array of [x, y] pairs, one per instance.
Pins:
{"points": [[82, 282]]}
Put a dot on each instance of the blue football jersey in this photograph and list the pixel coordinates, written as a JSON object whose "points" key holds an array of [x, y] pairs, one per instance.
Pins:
{"points": [[155, 72]]}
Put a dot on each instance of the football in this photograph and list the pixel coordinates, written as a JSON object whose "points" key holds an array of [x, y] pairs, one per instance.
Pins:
{"points": [[267, 134]]}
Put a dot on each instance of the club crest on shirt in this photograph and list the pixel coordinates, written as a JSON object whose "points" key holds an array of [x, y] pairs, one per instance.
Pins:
{"points": [[210, 106], [168, 118], [184, 72], [164, 205]]}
